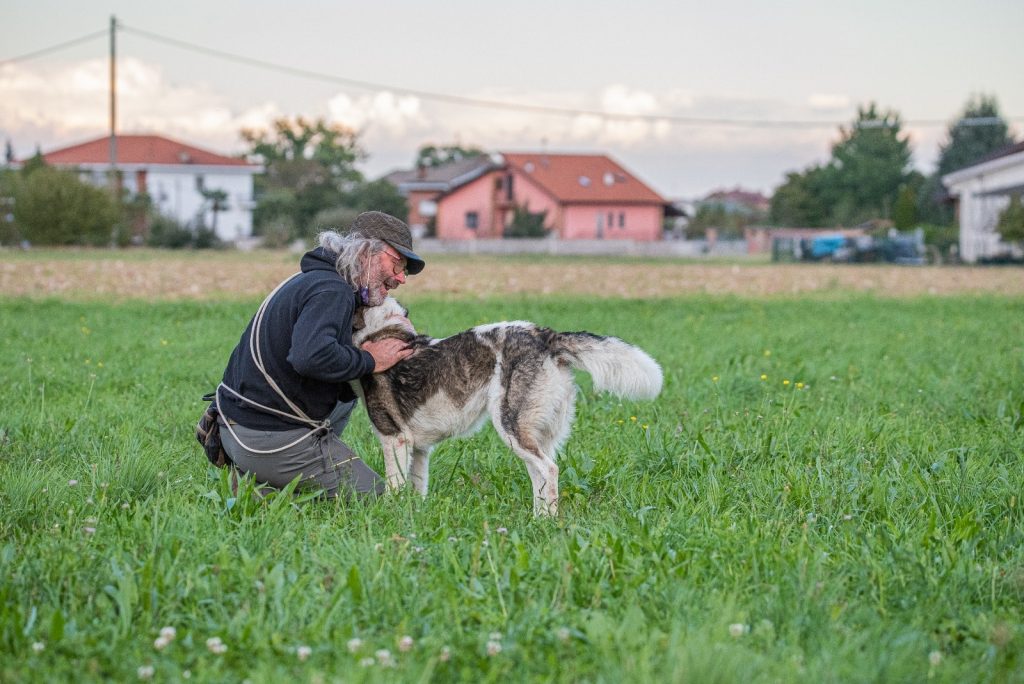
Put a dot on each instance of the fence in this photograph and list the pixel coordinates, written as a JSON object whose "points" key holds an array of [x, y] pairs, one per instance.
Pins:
{"points": [[662, 248]]}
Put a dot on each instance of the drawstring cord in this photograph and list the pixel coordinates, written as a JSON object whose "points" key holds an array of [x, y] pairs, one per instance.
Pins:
{"points": [[299, 415]]}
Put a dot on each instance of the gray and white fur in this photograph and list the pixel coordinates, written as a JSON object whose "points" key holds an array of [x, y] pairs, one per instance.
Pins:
{"points": [[514, 372]]}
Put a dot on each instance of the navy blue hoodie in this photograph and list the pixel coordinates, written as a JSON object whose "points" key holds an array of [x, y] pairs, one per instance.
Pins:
{"points": [[306, 345]]}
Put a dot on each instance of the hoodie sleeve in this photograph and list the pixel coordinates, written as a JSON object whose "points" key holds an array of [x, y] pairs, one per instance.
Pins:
{"points": [[321, 344]]}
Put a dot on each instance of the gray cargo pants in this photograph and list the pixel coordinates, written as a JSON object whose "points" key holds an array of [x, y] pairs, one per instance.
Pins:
{"points": [[323, 461]]}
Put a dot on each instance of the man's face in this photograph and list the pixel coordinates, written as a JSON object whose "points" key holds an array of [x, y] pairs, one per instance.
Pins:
{"points": [[386, 272]]}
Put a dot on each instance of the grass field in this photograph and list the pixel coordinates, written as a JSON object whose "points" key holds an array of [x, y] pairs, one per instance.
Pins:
{"points": [[828, 489]]}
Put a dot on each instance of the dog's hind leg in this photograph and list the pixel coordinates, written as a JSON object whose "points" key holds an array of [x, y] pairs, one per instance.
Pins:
{"points": [[396, 460], [419, 470]]}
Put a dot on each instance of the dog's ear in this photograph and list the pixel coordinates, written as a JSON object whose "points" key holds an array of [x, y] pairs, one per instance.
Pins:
{"points": [[359, 318]]}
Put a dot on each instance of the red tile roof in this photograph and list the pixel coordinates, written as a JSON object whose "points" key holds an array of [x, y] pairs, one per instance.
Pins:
{"points": [[140, 149], [582, 177]]}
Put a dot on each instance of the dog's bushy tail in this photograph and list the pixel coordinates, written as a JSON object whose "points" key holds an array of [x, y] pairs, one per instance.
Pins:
{"points": [[615, 366]]}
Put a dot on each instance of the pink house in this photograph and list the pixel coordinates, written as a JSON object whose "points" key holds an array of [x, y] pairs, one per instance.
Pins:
{"points": [[584, 196]]}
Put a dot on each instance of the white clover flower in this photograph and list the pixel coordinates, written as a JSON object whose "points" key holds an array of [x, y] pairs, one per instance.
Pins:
{"points": [[405, 644], [145, 671], [38, 647], [354, 644], [495, 636], [493, 648], [935, 657], [385, 658], [168, 633], [89, 530], [453, 539], [216, 645], [367, 662], [72, 483], [738, 629], [445, 655], [303, 652], [502, 530], [187, 674], [161, 643], [563, 634], [378, 547]]}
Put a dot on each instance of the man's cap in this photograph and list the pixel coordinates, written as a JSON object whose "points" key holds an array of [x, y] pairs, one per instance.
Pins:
{"points": [[394, 231]]}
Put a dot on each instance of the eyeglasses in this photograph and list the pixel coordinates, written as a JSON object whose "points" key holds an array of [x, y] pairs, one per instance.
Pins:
{"points": [[399, 268]]}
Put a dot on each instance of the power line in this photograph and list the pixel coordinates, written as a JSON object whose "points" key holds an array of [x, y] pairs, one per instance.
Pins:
{"points": [[54, 48], [514, 106], [493, 104]]}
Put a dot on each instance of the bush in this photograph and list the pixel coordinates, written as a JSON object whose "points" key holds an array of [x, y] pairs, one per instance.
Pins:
{"points": [[277, 231], [53, 207], [336, 218], [526, 224], [168, 233]]}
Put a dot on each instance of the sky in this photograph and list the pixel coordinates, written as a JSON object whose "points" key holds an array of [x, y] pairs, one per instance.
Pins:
{"points": [[393, 67]]}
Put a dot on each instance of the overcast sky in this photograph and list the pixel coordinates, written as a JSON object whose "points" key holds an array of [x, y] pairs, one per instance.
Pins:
{"points": [[811, 60]]}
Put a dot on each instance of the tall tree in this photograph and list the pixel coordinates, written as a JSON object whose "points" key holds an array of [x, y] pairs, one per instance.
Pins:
{"points": [[979, 131], [869, 164], [310, 166]]}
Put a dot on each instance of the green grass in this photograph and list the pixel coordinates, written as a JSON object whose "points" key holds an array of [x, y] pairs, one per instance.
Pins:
{"points": [[857, 526]]}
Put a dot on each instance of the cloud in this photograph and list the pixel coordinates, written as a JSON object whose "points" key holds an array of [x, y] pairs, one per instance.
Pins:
{"points": [[395, 114], [62, 103], [825, 102]]}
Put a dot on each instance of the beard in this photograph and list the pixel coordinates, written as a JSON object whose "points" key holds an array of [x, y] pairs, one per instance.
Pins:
{"points": [[376, 291]]}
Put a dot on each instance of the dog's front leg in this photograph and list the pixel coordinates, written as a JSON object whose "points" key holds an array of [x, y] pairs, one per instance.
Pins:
{"points": [[396, 461], [420, 466]]}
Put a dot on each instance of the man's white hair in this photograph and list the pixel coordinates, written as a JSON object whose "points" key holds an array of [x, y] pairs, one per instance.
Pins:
{"points": [[351, 252]]}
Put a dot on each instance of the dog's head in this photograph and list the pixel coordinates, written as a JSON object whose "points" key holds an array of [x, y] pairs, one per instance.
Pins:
{"points": [[376, 318]]}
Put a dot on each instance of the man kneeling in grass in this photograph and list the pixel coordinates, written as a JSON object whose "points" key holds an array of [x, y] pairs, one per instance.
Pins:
{"points": [[285, 396]]}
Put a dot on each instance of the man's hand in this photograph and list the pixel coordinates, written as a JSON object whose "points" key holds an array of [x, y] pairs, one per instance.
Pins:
{"points": [[387, 352]]}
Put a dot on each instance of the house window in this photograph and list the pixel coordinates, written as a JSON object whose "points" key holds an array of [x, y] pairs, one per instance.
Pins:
{"points": [[472, 220], [622, 219], [611, 219], [200, 183]]}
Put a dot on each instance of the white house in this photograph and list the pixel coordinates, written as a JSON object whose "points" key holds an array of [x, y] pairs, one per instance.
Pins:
{"points": [[174, 174], [982, 191]]}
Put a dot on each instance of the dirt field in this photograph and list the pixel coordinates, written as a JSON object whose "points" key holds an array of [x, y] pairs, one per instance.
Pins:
{"points": [[154, 275]]}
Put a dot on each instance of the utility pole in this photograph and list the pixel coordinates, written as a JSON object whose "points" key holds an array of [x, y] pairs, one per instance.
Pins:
{"points": [[113, 103]]}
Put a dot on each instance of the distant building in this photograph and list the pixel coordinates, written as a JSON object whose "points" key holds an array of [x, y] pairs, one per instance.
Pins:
{"points": [[422, 186], [982, 191], [174, 174], [737, 201], [583, 196]]}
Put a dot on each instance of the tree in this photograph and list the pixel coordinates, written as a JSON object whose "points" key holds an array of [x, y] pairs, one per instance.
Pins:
{"points": [[799, 201], [310, 166], [869, 163], [53, 207], [860, 182], [431, 155], [1011, 221], [526, 224], [979, 131], [976, 133], [217, 201], [379, 195], [904, 213]]}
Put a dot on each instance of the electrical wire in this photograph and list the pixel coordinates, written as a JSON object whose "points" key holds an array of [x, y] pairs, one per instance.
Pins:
{"points": [[55, 48], [537, 109]]}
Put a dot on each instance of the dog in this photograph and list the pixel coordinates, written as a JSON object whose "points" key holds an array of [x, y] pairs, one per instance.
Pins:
{"points": [[516, 373]]}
